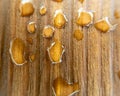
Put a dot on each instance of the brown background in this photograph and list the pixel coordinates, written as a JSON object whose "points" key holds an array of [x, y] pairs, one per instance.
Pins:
{"points": [[93, 61]]}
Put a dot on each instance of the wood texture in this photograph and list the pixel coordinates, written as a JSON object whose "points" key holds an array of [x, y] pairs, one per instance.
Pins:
{"points": [[94, 62]]}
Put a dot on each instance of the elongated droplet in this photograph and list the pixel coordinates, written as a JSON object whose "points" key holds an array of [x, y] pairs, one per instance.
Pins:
{"points": [[43, 10], [78, 34], [31, 27], [17, 51], [56, 51]]}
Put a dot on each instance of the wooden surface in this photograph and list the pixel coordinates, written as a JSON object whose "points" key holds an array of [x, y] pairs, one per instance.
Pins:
{"points": [[93, 62]]}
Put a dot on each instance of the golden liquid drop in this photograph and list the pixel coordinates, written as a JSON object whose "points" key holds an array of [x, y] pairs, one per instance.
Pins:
{"points": [[62, 88], [31, 27], [43, 10], [59, 19], [26, 9], [48, 31], [56, 51], [17, 51], [102, 26], [78, 35], [84, 19]]}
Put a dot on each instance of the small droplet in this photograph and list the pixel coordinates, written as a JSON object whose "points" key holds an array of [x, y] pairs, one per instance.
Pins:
{"points": [[58, 0], [85, 18], [78, 35], [59, 19], [48, 31], [43, 10], [31, 27], [56, 51], [116, 14], [29, 40], [62, 88], [17, 51], [104, 25], [81, 1], [32, 57], [26, 9], [118, 74]]}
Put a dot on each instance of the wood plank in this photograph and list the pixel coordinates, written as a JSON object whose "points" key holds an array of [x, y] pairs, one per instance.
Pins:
{"points": [[116, 52], [4, 44], [93, 61], [79, 52], [106, 53]]}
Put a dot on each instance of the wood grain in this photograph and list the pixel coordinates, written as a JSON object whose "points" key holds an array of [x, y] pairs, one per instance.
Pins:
{"points": [[94, 61]]}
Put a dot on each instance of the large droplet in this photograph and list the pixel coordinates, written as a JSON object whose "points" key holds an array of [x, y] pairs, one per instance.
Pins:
{"points": [[104, 25], [85, 18], [26, 9], [17, 51], [56, 51], [62, 88], [59, 19]]}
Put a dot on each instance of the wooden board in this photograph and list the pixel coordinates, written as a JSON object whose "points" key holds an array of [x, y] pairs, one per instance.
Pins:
{"points": [[94, 62]]}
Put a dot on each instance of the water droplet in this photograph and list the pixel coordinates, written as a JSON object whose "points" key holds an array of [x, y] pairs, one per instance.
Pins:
{"points": [[78, 34], [59, 19], [48, 31], [58, 0], [26, 9], [32, 57], [85, 18], [104, 25], [116, 14], [62, 88], [31, 27], [43, 10], [81, 1], [56, 51], [17, 51], [29, 40]]}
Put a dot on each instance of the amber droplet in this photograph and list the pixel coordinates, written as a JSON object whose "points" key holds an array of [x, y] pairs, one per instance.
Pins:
{"points": [[32, 57], [59, 19], [58, 0], [56, 51], [26, 9], [17, 51], [84, 18], [81, 1], [29, 40], [62, 88], [118, 74], [78, 34], [103, 25], [48, 31], [116, 14], [43, 10], [31, 27]]}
